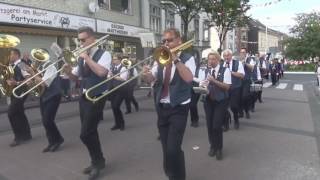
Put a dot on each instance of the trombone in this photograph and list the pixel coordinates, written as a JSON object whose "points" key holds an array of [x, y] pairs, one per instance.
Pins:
{"points": [[162, 55], [68, 57]]}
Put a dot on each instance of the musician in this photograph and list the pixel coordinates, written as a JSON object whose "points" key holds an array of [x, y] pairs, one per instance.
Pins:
{"points": [[119, 95], [237, 72], [49, 104], [173, 95], [17, 117], [256, 79], [195, 96], [218, 82], [246, 96], [274, 71], [130, 90], [93, 67], [263, 71]]}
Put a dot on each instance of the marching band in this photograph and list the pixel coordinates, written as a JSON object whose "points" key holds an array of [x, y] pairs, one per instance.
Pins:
{"points": [[178, 83]]}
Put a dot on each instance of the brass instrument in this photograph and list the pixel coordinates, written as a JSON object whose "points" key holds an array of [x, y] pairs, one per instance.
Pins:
{"points": [[126, 62], [6, 71], [162, 55], [68, 57]]}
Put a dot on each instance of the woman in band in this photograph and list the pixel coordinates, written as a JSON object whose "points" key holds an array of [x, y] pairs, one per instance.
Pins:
{"points": [[218, 81], [49, 104]]}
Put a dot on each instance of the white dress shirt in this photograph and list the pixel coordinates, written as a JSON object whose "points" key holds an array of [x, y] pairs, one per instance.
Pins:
{"points": [[240, 67], [49, 75], [23, 67], [226, 75], [190, 64]]}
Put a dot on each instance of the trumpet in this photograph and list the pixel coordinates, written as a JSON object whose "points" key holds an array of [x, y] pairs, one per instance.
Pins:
{"points": [[68, 57], [162, 55]]}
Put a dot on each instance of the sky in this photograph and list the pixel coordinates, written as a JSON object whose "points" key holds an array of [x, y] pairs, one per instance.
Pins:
{"points": [[279, 16]]}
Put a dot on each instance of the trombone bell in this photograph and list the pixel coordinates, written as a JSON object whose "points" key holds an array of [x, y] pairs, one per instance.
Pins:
{"points": [[126, 62]]}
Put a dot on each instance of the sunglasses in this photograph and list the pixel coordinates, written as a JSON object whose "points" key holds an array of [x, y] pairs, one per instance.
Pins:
{"points": [[167, 40]]}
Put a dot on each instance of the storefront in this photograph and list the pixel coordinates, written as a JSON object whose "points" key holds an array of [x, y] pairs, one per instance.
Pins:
{"points": [[37, 28], [124, 38]]}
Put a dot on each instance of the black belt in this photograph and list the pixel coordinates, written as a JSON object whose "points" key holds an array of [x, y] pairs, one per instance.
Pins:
{"points": [[165, 105]]}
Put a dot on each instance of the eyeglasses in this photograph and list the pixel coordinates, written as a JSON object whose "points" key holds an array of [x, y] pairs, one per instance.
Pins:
{"points": [[167, 40]]}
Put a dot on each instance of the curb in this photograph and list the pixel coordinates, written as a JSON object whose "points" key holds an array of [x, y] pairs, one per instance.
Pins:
{"points": [[296, 72]]}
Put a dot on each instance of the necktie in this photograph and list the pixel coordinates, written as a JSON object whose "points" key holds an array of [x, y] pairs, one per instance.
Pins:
{"points": [[228, 65], [166, 81], [211, 88]]}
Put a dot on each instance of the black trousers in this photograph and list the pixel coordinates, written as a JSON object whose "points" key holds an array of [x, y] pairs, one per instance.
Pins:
{"points": [[194, 107], [235, 99], [130, 98], [246, 96], [48, 111], [18, 119], [172, 123], [116, 101], [215, 114], [274, 78], [90, 117]]}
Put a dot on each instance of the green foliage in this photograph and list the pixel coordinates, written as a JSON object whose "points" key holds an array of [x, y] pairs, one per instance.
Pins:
{"points": [[306, 40], [188, 10], [301, 68], [227, 14]]}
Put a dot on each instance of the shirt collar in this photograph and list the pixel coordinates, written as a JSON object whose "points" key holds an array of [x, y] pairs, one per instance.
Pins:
{"points": [[16, 62]]}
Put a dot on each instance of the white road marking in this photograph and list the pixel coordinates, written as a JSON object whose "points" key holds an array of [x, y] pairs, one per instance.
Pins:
{"points": [[298, 87], [267, 84], [282, 86]]}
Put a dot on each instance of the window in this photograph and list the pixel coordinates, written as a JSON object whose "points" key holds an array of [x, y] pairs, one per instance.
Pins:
{"points": [[196, 29], [206, 31], [123, 6], [169, 18], [182, 28], [155, 18]]}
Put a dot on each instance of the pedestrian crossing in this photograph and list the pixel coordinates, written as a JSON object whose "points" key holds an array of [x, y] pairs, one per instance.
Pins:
{"points": [[284, 86]]}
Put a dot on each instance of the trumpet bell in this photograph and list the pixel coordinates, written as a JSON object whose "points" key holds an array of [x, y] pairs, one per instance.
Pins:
{"points": [[39, 54], [8, 41]]}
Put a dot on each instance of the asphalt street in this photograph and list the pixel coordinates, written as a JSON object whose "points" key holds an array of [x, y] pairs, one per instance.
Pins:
{"points": [[281, 141]]}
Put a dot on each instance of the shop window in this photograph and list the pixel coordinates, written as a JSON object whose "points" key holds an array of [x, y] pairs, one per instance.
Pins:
{"points": [[206, 31]]}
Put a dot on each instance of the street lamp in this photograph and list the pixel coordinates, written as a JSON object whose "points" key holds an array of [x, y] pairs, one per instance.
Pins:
{"points": [[267, 43]]}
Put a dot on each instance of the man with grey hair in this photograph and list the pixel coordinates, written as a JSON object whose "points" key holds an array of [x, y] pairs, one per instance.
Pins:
{"points": [[237, 74]]}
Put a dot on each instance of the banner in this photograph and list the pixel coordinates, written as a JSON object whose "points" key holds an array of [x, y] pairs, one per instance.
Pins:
{"points": [[118, 29], [37, 17]]}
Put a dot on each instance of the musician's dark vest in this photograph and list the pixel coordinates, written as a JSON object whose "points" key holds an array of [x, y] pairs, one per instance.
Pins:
{"points": [[114, 82], [247, 76], [53, 90], [179, 90], [236, 82], [89, 78], [19, 77], [219, 94]]}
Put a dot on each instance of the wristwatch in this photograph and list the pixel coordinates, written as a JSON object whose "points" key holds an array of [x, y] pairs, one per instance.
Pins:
{"points": [[176, 61]]}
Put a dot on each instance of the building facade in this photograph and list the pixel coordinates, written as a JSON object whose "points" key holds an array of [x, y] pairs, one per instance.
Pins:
{"points": [[39, 23]]}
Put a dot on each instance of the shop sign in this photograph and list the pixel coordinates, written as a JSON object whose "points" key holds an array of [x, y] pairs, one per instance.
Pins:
{"points": [[37, 17], [118, 29]]}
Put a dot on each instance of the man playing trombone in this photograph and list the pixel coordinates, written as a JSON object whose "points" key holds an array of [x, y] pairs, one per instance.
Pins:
{"points": [[173, 96], [93, 66]]}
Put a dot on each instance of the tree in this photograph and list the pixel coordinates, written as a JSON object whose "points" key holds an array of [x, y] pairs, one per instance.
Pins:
{"points": [[226, 14], [305, 42], [188, 10]]}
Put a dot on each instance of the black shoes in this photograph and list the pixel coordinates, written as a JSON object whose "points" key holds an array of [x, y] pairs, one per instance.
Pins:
{"points": [[195, 124], [240, 115], [127, 112], [121, 128], [219, 155], [236, 125], [53, 147], [212, 152], [247, 115], [115, 128], [93, 171], [18, 142]]}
